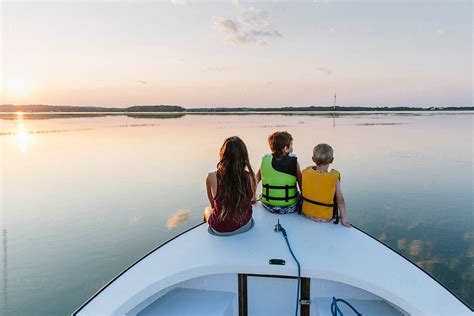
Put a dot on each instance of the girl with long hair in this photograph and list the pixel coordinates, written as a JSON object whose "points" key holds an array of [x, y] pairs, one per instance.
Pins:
{"points": [[231, 190]]}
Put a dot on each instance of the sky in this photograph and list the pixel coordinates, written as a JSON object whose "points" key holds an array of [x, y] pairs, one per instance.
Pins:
{"points": [[236, 53]]}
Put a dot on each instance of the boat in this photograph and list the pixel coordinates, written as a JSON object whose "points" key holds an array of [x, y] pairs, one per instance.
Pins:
{"points": [[255, 273]]}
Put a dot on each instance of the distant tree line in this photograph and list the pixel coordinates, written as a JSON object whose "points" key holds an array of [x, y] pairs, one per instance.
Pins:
{"points": [[327, 109], [67, 108], [175, 108]]}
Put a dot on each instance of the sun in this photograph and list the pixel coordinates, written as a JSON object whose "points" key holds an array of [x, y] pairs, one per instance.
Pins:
{"points": [[16, 87]]}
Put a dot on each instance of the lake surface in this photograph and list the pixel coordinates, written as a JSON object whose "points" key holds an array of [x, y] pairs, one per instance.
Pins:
{"points": [[82, 198]]}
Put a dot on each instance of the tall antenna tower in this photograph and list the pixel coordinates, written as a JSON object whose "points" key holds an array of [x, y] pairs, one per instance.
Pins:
{"points": [[334, 111]]}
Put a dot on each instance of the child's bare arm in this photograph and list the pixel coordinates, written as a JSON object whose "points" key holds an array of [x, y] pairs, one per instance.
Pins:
{"points": [[299, 177], [253, 184], [341, 203], [211, 185], [258, 176]]}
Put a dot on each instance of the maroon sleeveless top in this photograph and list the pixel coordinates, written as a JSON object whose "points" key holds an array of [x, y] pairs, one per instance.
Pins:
{"points": [[229, 224]]}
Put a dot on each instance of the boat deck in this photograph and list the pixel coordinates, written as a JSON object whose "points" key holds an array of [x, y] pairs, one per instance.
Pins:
{"points": [[325, 251]]}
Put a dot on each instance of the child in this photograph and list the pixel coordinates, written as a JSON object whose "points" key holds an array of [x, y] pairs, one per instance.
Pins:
{"points": [[231, 191], [321, 188], [279, 173]]}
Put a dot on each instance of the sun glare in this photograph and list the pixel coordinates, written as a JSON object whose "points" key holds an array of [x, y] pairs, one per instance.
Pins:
{"points": [[22, 135]]}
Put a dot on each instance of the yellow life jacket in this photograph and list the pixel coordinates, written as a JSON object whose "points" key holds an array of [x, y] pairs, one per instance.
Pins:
{"points": [[319, 190]]}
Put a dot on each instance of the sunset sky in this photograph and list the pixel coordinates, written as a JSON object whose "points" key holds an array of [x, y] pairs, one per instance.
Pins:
{"points": [[235, 53]]}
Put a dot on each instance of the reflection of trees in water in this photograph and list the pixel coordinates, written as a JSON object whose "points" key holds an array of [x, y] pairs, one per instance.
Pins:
{"points": [[156, 115], [43, 116], [22, 117], [50, 116], [445, 255]]}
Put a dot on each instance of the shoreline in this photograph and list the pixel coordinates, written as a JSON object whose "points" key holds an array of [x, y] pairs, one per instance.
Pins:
{"points": [[233, 112]]}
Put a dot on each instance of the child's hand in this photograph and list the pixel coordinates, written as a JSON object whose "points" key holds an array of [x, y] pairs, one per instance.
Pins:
{"points": [[346, 223]]}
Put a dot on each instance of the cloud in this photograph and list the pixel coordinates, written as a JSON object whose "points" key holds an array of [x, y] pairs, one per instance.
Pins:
{"points": [[179, 2], [327, 71], [252, 26], [226, 26], [327, 29], [142, 82], [440, 32]]}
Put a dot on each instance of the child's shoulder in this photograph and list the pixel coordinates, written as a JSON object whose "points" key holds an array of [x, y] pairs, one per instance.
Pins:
{"points": [[309, 168], [336, 173]]}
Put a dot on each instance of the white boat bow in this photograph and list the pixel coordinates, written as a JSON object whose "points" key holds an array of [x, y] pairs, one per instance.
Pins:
{"points": [[195, 273]]}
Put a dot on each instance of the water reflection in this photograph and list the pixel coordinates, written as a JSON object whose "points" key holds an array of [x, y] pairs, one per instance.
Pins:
{"points": [[22, 136], [401, 244], [170, 115], [135, 125], [382, 237], [156, 115], [5, 273], [49, 116], [380, 124], [85, 205], [440, 258], [177, 218], [415, 248], [135, 218]]}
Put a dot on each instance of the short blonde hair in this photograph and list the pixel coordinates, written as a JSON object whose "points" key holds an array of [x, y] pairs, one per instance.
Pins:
{"points": [[322, 154]]}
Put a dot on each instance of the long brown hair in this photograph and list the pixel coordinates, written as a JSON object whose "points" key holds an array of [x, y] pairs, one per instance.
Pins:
{"points": [[232, 177]]}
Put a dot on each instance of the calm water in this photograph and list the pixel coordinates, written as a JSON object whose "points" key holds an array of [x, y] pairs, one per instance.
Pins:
{"points": [[84, 197]]}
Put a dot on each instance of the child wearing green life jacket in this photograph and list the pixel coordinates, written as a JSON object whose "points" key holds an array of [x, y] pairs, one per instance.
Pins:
{"points": [[279, 173], [322, 195]]}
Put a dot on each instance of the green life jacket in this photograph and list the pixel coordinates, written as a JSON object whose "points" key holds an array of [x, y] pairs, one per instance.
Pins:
{"points": [[278, 188]]}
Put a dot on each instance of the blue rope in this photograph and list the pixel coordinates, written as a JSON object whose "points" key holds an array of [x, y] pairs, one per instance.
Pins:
{"points": [[278, 227], [335, 309]]}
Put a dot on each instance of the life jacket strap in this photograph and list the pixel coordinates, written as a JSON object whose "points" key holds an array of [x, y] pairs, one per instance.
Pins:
{"points": [[286, 198], [287, 188], [335, 211], [319, 203], [281, 187]]}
